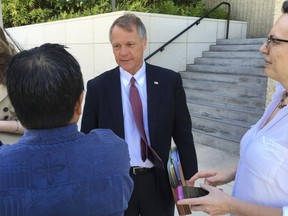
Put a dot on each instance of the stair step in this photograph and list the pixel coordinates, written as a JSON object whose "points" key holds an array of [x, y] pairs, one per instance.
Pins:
{"points": [[228, 145], [239, 48], [226, 89], [258, 41], [243, 80], [211, 97], [228, 55], [219, 127], [248, 116], [230, 62], [252, 71]]}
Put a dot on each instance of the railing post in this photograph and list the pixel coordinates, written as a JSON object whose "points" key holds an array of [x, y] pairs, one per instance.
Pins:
{"points": [[113, 3], [228, 20]]}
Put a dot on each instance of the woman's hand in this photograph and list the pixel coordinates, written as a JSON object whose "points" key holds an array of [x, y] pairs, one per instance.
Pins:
{"points": [[219, 203], [215, 203], [214, 177]]}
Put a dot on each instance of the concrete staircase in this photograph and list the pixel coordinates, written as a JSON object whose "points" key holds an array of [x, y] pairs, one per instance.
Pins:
{"points": [[226, 92]]}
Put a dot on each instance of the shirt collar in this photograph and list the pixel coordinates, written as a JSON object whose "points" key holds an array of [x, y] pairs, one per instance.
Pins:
{"points": [[53, 135], [139, 75]]}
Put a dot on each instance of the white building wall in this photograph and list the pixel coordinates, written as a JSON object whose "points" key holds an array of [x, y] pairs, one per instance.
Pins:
{"points": [[258, 14]]}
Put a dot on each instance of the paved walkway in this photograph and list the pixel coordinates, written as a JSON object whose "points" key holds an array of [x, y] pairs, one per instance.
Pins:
{"points": [[210, 158]]}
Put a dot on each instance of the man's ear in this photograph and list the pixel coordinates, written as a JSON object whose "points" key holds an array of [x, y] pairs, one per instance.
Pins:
{"points": [[144, 40], [77, 109], [78, 105]]}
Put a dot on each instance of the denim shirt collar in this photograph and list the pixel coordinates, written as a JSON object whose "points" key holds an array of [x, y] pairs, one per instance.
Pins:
{"points": [[54, 135]]}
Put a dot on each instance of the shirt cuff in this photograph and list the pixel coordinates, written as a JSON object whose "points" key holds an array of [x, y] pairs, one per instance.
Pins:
{"points": [[285, 211]]}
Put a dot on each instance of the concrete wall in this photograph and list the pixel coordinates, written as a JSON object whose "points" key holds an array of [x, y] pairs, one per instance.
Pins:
{"points": [[260, 15], [88, 40]]}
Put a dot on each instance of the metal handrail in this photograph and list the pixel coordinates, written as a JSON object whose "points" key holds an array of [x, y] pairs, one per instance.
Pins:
{"points": [[197, 22]]}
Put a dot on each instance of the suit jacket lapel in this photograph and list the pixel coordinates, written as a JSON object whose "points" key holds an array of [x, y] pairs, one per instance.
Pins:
{"points": [[115, 98], [152, 100]]}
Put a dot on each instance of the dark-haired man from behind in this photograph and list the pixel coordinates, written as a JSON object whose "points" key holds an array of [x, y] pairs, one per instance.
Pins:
{"points": [[54, 169]]}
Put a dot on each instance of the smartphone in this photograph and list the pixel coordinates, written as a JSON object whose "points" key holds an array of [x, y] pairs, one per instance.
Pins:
{"points": [[190, 192]]}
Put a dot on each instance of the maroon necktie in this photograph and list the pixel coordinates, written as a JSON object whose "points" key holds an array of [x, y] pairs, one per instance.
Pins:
{"points": [[146, 150]]}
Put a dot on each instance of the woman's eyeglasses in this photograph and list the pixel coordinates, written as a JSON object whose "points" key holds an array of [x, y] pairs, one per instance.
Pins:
{"points": [[271, 38]]}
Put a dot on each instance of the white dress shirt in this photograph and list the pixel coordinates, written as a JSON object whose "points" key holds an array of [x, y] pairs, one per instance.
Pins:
{"points": [[132, 136], [262, 175]]}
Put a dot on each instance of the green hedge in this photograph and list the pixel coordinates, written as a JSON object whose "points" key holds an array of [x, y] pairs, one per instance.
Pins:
{"points": [[25, 12]]}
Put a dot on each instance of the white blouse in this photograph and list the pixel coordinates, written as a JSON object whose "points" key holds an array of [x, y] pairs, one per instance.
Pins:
{"points": [[262, 174]]}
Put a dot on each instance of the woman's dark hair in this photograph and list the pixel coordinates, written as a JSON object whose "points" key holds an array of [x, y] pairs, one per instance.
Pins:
{"points": [[44, 84], [7, 51], [285, 7]]}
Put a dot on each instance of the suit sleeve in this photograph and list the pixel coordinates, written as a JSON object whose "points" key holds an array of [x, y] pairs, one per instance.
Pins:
{"points": [[182, 132], [89, 117]]}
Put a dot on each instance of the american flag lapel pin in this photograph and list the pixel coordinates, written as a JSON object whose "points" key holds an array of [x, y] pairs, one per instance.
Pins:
{"points": [[155, 83]]}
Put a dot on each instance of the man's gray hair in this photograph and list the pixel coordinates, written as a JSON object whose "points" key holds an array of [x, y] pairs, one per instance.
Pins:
{"points": [[127, 21]]}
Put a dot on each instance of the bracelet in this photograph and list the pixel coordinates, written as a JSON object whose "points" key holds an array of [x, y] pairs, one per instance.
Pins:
{"points": [[17, 127]]}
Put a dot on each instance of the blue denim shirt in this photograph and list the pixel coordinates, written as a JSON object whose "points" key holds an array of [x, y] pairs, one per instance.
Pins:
{"points": [[63, 172]]}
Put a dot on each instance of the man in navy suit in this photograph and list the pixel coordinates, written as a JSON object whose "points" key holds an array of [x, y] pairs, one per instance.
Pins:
{"points": [[165, 116]]}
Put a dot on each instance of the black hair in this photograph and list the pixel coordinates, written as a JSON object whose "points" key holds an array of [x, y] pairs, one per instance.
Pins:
{"points": [[285, 7], [44, 84]]}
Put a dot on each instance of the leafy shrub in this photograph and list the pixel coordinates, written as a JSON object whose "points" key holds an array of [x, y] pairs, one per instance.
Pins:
{"points": [[24, 12]]}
